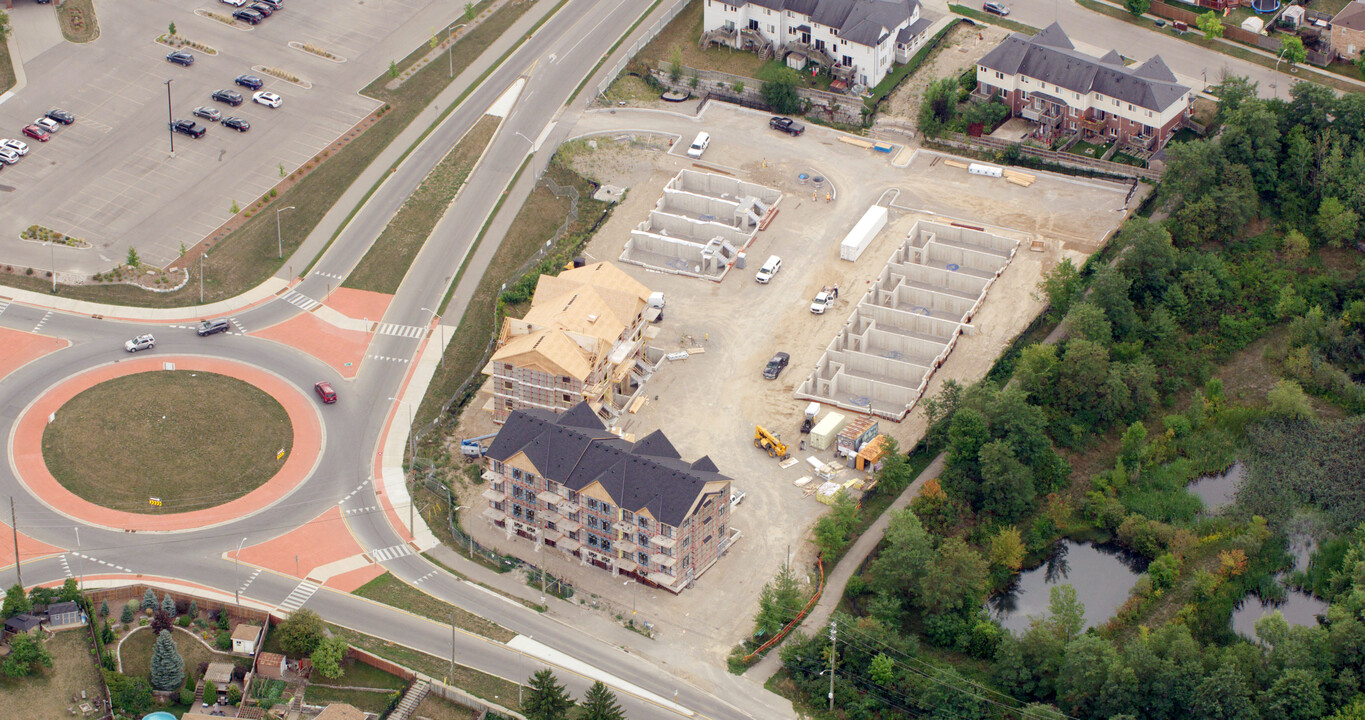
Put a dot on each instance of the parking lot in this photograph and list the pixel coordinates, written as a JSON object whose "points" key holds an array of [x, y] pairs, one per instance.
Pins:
{"points": [[709, 403], [111, 179]]}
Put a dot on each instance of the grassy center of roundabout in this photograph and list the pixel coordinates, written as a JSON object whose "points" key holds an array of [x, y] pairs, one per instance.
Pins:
{"points": [[190, 439]]}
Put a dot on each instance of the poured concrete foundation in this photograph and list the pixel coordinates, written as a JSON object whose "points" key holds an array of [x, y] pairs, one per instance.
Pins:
{"points": [[909, 320], [700, 225]]}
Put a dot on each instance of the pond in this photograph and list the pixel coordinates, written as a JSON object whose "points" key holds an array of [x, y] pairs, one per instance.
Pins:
{"points": [[1298, 607], [1103, 576], [1218, 491]]}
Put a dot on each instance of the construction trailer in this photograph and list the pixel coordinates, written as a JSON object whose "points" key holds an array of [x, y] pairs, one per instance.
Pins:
{"points": [[863, 233], [825, 431]]}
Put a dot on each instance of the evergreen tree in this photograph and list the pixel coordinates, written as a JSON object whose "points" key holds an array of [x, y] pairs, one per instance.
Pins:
{"points": [[127, 615], [168, 606], [168, 668], [546, 699], [106, 633], [599, 703], [104, 609], [194, 609], [148, 600]]}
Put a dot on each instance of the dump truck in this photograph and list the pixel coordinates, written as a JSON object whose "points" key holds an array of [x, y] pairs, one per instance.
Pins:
{"points": [[765, 440]]}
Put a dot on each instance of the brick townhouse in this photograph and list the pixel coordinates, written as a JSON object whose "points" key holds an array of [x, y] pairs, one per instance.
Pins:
{"points": [[635, 509], [1045, 79]]}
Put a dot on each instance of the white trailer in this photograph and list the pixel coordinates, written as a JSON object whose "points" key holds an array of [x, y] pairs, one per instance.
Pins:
{"points": [[862, 234], [987, 170]]}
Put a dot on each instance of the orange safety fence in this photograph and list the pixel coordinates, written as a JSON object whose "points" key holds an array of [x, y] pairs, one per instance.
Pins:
{"points": [[795, 621]]}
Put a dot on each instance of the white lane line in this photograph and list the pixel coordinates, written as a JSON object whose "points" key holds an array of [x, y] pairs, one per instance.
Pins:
{"points": [[40, 324]]}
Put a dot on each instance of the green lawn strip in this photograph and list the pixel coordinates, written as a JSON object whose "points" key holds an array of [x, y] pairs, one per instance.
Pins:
{"points": [[386, 264], [248, 256], [47, 694], [7, 78], [435, 707], [391, 591], [67, 13], [474, 682], [985, 17], [135, 654], [435, 561], [1237, 51], [358, 674], [166, 434], [372, 702]]}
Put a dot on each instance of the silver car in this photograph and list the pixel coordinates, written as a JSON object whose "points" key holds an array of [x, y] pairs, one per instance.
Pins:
{"points": [[18, 146], [8, 156], [208, 113], [141, 342]]}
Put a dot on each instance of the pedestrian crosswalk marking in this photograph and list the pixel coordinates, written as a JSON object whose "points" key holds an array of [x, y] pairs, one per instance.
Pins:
{"points": [[390, 553], [300, 596], [406, 331], [300, 300]]}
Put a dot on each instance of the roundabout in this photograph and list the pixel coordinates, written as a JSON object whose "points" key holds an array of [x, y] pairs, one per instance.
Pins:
{"points": [[100, 484]]}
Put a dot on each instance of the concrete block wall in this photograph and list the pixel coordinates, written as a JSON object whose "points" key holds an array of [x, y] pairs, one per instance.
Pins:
{"points": [[839, 108]]}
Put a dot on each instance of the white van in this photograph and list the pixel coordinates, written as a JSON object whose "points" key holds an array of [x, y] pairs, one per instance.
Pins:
{"points": [[699, 145], [769, 269]]}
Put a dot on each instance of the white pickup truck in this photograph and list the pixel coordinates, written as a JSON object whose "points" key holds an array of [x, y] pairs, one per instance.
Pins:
{"points": [[823, 300]]}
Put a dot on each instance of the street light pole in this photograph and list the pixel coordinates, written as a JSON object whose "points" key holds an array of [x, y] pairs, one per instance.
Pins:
{"points": [[412, 450], [202, 259], [81, 575], [52, 250], [450, 48], [237, 564], [279, 238], [170, 117]]}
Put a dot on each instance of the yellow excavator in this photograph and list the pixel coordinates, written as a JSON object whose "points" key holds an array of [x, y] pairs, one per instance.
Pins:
{"points": [[765, 440]]}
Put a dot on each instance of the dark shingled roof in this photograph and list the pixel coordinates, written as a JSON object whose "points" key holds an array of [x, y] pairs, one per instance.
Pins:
{"points": [[575, 450], [1351, 17], [909, 32], [22, 623], [1050, 57], [864, 22]]}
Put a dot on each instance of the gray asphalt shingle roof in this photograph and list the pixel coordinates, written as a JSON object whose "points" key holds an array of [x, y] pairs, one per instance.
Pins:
{"points": [[864, 22], [575, 450], [1050, 57]]}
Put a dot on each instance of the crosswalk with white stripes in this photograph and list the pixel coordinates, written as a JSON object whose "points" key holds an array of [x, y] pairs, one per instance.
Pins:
{"points": [[407, 331], [389, 553], [333, 276], [299, 300], [300, 596], [3, 304], [65, 567], [242, 589]]}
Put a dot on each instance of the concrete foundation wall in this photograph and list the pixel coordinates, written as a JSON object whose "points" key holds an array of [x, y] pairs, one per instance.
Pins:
{"points": [[699, 231], [894, 320], [966, 259], [700, 207], [918, 300], [932, 277], [895, 345], [721, 186], [881, 368]]}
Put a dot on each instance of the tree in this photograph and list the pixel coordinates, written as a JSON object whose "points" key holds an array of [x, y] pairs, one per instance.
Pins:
{"points": [[1296, 695], [194, 609], [104, 609], [168, 605], [545, 698], [468, 11], [1061, 286], [4, 26], [301, 633], [1006, 485], [328, 656], [25, 655], [1359, 61], [882, 670], [1007, 549], [900, 562], [1291, 49], [1210, 25], [106, 633], [779, 602], [148, 600], [675, 64], [1137, 7], [779, 89], [161, 621], [70, 592], [171, 28], [1223, 695], [1288, 400], [939, 107], [831, 532], [1084, 672], [135, 262], [599, 703], [1088, 322], [126, 616], [1066, 614], [1296, 247], [1336, 223], [955, 580], [1163, 571], [168, 668], [16, 602], [393, 73]]}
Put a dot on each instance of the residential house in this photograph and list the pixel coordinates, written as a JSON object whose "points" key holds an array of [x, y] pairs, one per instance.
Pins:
{"points": [[581, 341], [1348, 31], [1044, 78], [629, 508], [244, 639], [64, 613], [857, 40]]}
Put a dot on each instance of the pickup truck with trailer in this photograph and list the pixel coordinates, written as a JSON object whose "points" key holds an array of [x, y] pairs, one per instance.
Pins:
{"points": [[787, 125]]}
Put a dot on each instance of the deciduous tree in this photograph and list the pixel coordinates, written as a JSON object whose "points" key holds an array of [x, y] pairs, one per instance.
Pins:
{"points": [[328, 656], [301, 634], [26, 655]]}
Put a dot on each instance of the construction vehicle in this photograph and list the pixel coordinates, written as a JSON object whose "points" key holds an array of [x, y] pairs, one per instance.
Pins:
{"points": [[472, 448], [808, 422], [765, 440]]}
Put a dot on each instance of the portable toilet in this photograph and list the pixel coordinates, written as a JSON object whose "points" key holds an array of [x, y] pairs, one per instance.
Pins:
{"points": [[826, 430]]}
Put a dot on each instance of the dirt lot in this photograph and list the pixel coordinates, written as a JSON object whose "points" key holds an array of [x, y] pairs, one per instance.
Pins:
{"points": [[709, 403], [958, 51]]}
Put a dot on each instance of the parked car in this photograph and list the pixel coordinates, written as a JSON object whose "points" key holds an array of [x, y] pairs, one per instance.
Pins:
{"points": [[61, 116], [275, 4], [325, 391], [262, 9], [228, 96], [769, 269], [141, 342], [248, 16], [268, 99], [776, 365], [787, 125], [995, 8], [180, 57], [37, 133], [236, 123], [208, 113], [234, 3], [699, 145], [8, 156], [188, 127], [213, 327], [48, 124], [18, 146], [249, 81]]}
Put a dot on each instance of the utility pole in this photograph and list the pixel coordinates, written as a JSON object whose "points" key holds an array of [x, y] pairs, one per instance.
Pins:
{"points": [[831, 665], [237, 564], [279, 237], [80, 582], [52, 251], [202, 259], [14, 525]]}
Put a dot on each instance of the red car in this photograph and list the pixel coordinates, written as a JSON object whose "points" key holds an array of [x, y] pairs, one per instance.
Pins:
{"points": [[325, 391], [36, 133]]}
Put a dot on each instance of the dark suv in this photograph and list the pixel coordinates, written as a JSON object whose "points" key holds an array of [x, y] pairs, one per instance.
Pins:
{"points": [[213, 327], [776, 365], [248, 16], [188, 127], [180, 57], [227, 96], [261, 8], [249, 81]]}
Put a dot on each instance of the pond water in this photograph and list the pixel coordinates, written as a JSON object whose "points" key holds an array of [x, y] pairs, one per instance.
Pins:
{"points": [[1103, 576], [1298, 608], [1218, 491]]}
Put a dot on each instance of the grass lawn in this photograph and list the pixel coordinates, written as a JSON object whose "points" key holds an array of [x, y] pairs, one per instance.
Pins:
{"points": [[435, 707], [373, 702], [1127, 159], [678, 40], [384, 266], [535, 223], [193, 439], [135, 653], [1090, 150], [985, 17], [47, 694], [358, 674], [6, 68], [1184, 134], [390, 590], [73, 12], [247, 256], [629, 88], [1331, 7], [478, 684]]}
